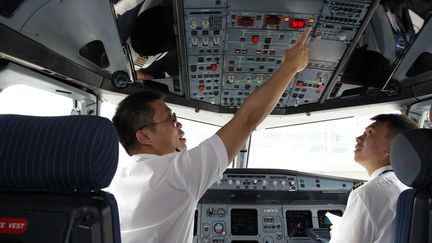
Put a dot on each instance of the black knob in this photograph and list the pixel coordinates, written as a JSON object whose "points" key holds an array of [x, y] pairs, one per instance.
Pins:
{"points": [[120, 80]]}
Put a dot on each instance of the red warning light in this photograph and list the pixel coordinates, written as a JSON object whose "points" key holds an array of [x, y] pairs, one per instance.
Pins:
{"points": [[298, 23]]}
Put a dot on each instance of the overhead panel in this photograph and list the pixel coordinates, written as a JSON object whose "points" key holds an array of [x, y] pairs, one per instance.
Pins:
{"points": [[233, 46]]}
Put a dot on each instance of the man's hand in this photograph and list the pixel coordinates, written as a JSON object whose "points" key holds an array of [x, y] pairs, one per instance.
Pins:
{"points": [[297, 56], [142, 76]]}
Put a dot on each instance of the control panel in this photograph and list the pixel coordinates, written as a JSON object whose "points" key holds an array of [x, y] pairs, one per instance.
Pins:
{"points": [[233, 46], [280, 182], [269, 206], [340, 20], [224, 223]]}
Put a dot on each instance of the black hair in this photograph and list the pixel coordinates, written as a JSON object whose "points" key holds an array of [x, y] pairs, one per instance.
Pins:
{"points": [[133, 113], [153, 31], [396, 123]]}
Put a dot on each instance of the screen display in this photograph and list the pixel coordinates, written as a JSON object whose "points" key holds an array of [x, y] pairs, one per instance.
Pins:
{"points": [[323, 221], [244, 222], [298, 222]]}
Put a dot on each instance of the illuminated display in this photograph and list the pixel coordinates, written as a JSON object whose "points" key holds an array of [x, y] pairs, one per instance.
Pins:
{"points": [[298, 23], [298, 222], [244, 222]]}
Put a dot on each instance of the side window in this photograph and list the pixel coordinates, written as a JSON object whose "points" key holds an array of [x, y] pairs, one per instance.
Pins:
{"points": [[26, 100]]}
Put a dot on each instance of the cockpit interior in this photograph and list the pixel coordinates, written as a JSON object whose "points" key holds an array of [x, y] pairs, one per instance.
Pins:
{"points": [[207, 57]]}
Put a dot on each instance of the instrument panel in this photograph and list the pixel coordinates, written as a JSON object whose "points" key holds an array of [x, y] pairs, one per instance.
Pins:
{"points": [[280, 182], [233, 46], [268, 206]]}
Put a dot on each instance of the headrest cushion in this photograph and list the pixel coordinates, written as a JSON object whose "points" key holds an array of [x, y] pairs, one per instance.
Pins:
{"points": [[62, 153], [411, 157]]}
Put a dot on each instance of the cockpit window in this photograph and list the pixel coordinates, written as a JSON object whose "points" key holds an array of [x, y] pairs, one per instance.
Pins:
{"points": [[322, 147], [325, 147], [26, 100]]}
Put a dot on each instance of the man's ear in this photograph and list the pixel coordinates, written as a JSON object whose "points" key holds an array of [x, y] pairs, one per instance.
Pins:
{"points": [[143, 137]]}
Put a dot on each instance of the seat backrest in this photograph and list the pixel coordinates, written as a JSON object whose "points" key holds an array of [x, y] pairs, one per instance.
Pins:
{"points": [[411, 158], [52, 170]]}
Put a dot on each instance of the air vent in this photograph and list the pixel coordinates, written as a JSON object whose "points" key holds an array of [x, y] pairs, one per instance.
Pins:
{"points": [[95, 52]]}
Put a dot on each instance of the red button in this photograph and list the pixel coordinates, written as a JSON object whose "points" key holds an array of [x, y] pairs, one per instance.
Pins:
{"points": [[201, 88], [255, 39], [299, 84], [214, 67]]}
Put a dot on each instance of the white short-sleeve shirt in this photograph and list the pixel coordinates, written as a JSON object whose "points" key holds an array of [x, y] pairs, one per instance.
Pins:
{"points": [[371, 211], [157, 195]]}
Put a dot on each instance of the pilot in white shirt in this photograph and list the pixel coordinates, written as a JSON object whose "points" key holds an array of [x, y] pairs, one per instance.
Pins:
{"points": [[370, 212], [158, 192], [371, 209], [147, 179]]}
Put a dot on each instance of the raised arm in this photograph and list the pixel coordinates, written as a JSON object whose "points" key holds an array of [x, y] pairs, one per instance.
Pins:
{"points": [[263, 100]]}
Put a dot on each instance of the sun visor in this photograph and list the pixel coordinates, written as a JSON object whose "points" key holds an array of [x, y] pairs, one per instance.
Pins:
{"points": [[84, 32], [416, 65]]}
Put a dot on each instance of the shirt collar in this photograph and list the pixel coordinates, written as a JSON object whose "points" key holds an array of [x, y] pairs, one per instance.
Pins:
{"points": [[377, 172], [137, 156], [143, 156]]}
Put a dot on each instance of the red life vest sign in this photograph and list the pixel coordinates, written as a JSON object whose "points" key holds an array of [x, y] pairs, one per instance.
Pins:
{"points": [[13, 225]]}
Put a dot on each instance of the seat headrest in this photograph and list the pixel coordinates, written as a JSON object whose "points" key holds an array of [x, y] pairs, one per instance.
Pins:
{"points": [[411, 157], [63, 153]]}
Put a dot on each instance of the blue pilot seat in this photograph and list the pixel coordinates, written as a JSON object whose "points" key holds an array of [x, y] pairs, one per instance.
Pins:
{"points": [[411, 158], [52, 170]]}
